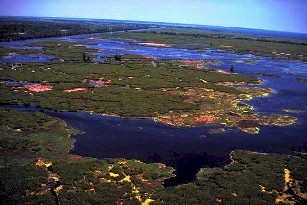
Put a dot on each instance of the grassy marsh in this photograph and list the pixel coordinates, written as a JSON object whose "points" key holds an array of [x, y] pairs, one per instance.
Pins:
{"points": [[200, 40], [174, 92]]}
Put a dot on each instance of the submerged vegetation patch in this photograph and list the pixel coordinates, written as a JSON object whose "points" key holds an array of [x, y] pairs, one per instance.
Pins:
{"points": [[302, 80]]}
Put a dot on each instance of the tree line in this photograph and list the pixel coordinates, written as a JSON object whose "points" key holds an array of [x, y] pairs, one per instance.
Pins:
{"points": [[225, 36], [14, 29]]}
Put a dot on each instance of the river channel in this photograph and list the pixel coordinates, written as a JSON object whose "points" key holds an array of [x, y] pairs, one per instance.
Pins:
{"points": [[187, 149]]}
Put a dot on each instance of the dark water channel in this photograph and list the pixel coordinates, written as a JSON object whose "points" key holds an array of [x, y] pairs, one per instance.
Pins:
{"points": [[189, 149]]}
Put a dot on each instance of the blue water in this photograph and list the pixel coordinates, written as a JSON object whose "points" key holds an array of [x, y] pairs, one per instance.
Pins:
{"points": [[260, 32], [188, 149], [29, 58]]}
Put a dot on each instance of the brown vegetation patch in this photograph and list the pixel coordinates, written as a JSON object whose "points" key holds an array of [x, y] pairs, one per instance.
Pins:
{"points": [[248, 123]]}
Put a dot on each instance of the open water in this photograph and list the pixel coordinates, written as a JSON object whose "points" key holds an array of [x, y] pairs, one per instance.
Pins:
{"points": [[187, 149]]}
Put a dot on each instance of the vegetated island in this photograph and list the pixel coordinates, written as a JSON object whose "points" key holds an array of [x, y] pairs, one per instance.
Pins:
{"points": [[35, 164], [178, 93], [201, 39], [35, 168], [153, 34]]}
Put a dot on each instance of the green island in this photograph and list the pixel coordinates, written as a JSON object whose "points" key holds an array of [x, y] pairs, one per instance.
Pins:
{"points": [[36, 167], [172, 92], [200, 39]]}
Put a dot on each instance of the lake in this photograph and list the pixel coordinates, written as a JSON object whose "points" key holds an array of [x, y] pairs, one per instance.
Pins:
{"points": [[187, 149]]}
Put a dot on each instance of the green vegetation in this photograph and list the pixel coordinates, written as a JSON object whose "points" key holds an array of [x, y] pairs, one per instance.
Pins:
{"points": [[220, 33], [178, 93], [144, 80], [83, 181], [251, 178], [109, 181], [35, 164], [25, 136], [6, 51], [65, 51], [179, 37], [37, 169], [200, 39], [18, 182], [19, 28], [167, 90]]}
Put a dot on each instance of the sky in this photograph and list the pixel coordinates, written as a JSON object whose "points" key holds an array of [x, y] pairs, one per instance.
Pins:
{"points": [[280, 15]]}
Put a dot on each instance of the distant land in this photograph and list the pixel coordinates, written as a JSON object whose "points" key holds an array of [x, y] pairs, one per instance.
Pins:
{"points": [[233, 30], [97, 111]]}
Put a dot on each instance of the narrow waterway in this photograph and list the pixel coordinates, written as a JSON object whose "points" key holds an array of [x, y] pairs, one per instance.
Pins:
{"points": [[189, 149]]}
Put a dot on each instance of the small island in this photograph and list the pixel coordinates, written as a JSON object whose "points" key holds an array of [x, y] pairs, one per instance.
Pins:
{"points": [[74, 75], [178, 93]]}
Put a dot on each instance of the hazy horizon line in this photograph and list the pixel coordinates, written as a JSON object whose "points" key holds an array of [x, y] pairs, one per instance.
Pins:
{"points": [[157, 22]]}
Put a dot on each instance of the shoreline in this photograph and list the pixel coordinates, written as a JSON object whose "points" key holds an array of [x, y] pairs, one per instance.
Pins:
{"points": [[163, 45], [159, 118]]}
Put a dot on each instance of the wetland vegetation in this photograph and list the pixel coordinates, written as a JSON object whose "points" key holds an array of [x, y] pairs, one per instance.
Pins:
{"points": [[201, 39], [37, 168], [175, 92], [20, 28]]}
